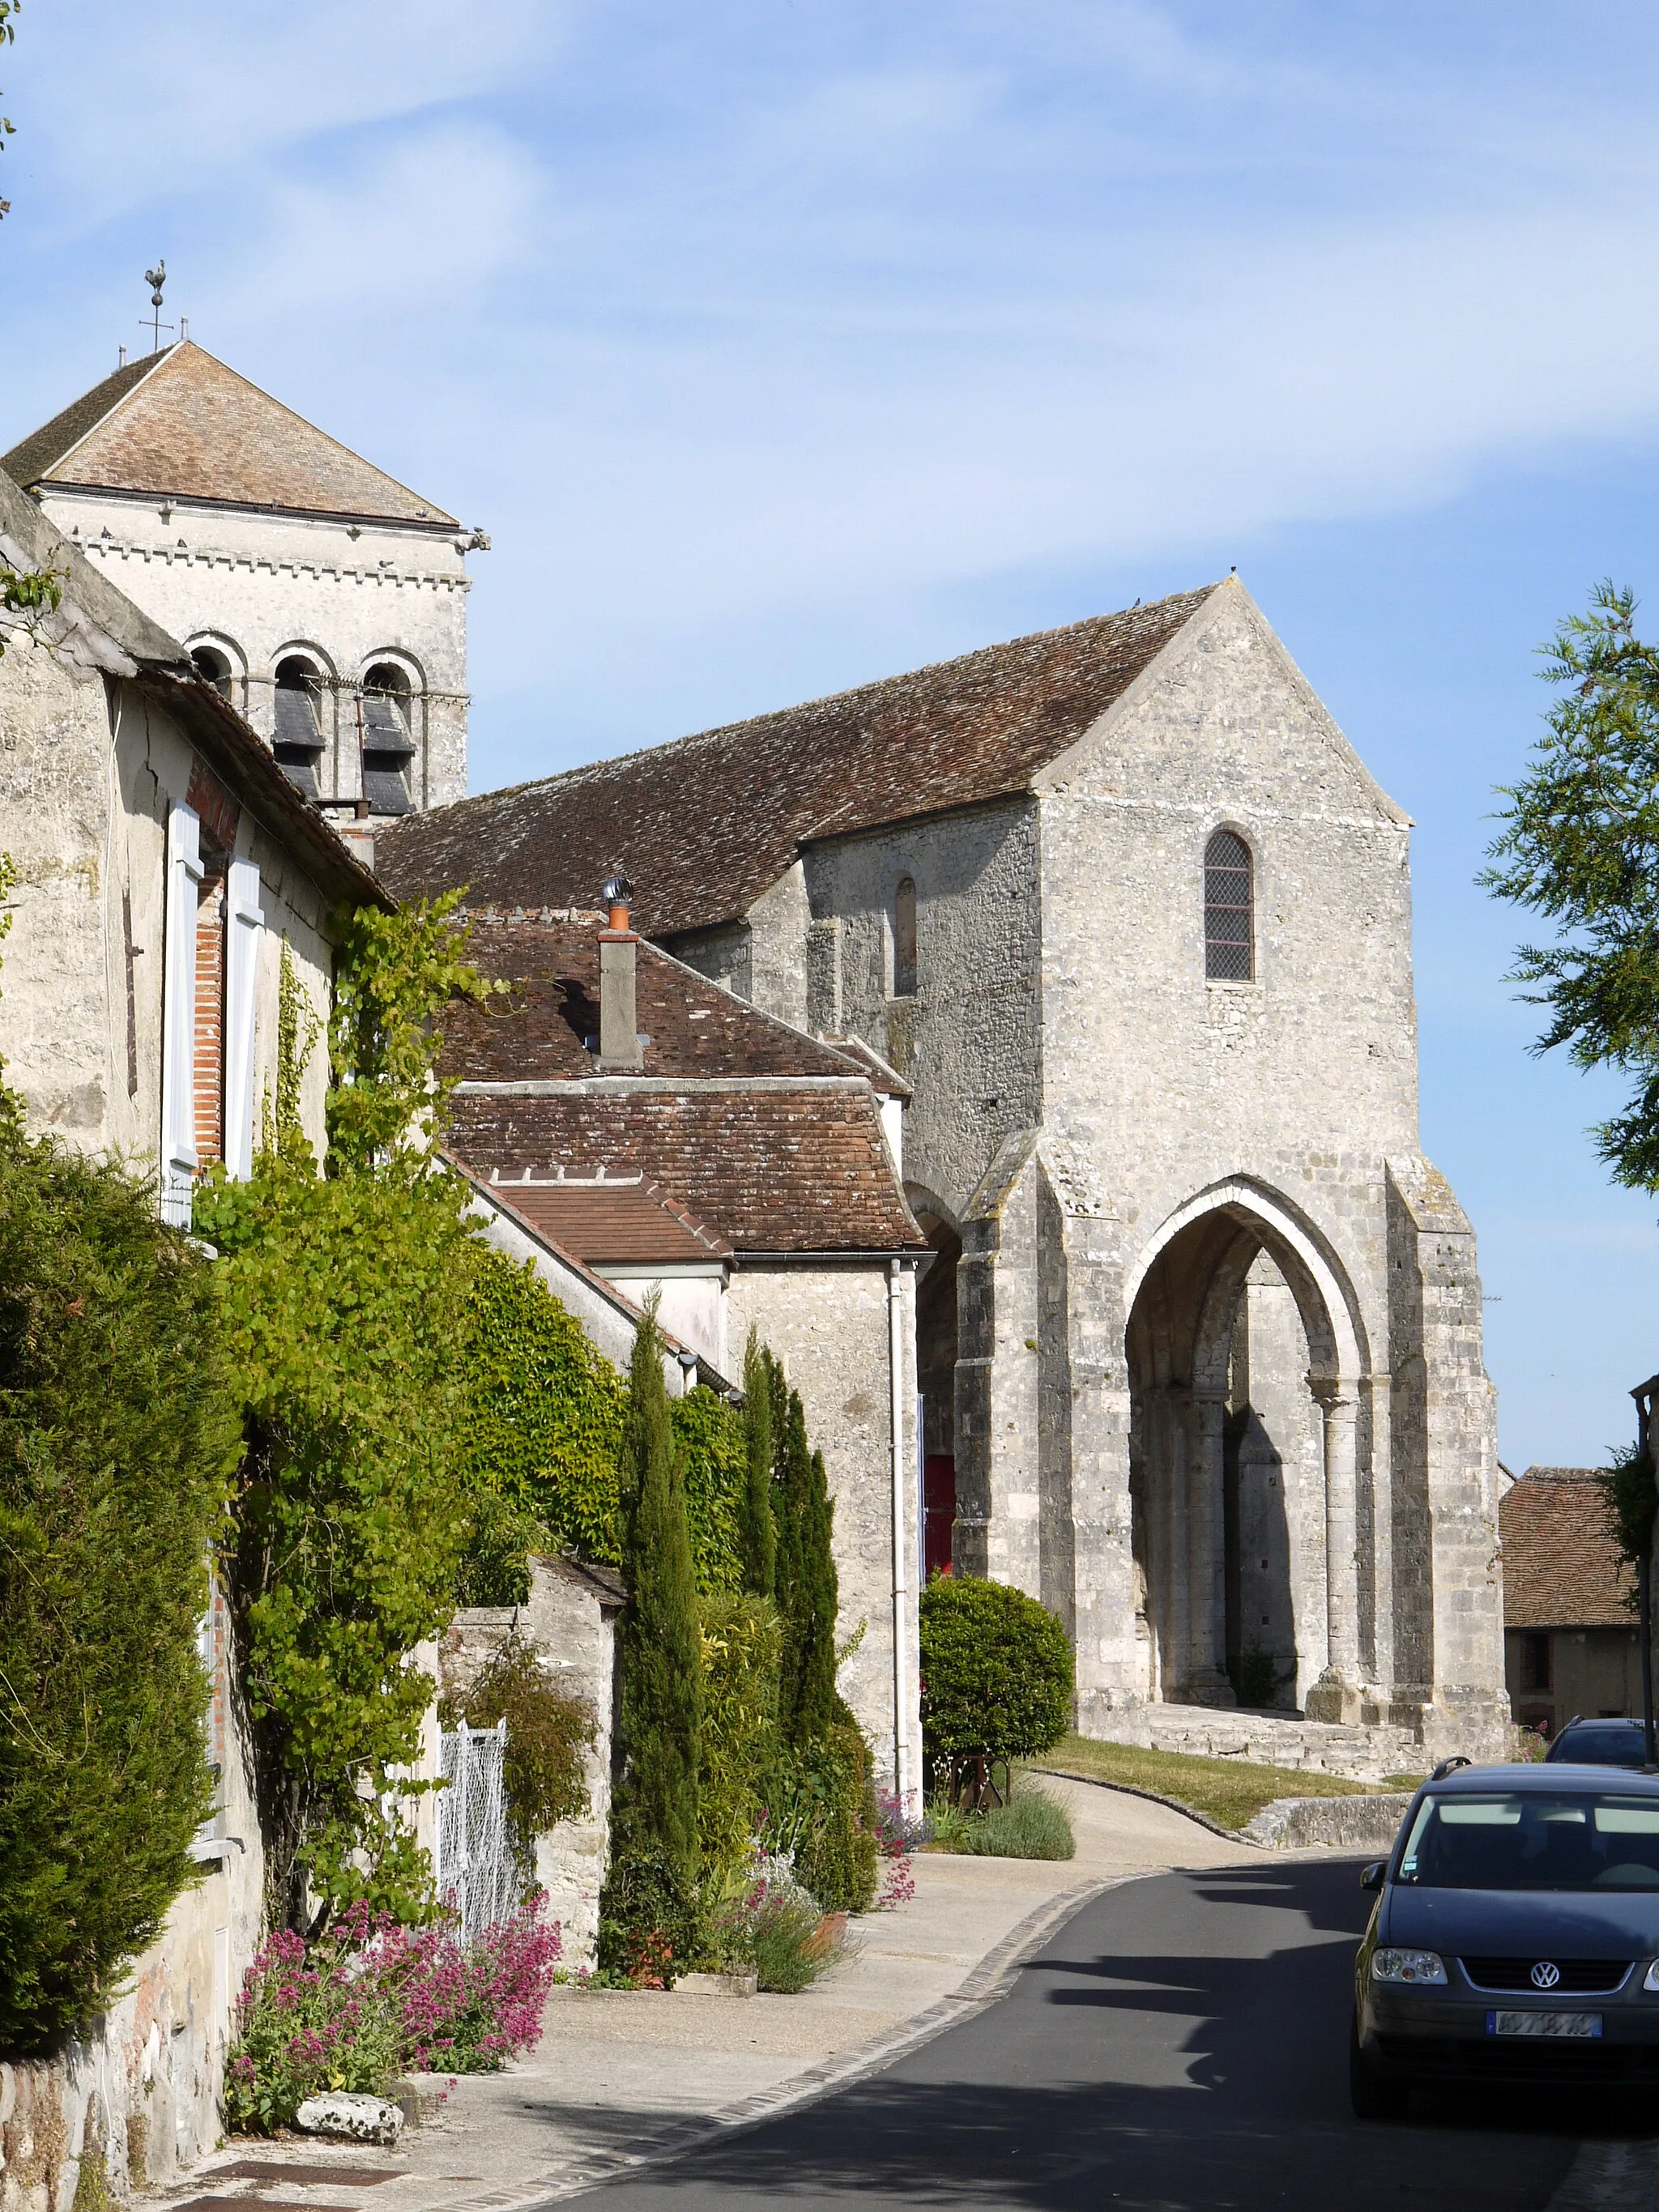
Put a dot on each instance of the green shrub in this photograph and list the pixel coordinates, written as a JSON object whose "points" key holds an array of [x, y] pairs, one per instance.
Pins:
{"points": [[651, 1926], [737, 1744], [996, 1673], [821, 1809], [548, 1730], [1030, 1826], [789, 1944], [118, 1435]]}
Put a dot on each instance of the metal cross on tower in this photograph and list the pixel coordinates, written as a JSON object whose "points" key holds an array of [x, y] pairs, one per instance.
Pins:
{"points": [[155, 278]]}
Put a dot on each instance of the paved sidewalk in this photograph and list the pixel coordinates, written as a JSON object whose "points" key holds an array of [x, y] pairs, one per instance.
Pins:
{"points": [[622, 2077]]}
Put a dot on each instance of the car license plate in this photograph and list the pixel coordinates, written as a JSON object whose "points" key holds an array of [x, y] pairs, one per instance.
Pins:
{"points": [[1544, 2023]]}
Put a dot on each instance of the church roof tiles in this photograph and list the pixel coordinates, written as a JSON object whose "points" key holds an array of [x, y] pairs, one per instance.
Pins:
{"points": [[705, 824], [181, 423]]}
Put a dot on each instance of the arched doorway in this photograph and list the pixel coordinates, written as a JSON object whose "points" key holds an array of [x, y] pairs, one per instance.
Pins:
{"points": [[1243, 1370]]}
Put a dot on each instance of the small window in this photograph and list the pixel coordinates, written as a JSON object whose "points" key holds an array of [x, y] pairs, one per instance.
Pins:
{"points": [[1229, 914], [1535, 1660], [388, 746], [904, 939], [299, 738], [213, 665]]}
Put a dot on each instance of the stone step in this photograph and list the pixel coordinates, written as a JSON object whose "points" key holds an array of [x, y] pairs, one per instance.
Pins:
{"points": [[1359, 1753]]}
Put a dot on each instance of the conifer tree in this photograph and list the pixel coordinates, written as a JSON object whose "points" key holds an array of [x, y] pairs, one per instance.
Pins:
{"points": [[757, 1535], [807, 1592], [659, 1651]]}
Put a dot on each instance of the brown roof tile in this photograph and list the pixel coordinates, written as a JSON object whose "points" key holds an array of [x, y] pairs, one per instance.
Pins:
{"points": [[772, 1165], [1560, 1564], [704, 824], [181, 423], [612, 1223], [540, 1031]]}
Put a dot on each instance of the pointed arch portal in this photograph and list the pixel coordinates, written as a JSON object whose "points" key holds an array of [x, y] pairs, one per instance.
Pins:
{"points": [[1247, 1371]]}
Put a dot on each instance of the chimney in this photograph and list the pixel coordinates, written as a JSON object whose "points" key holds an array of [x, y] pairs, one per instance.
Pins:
{"points": [[620, 1051]]}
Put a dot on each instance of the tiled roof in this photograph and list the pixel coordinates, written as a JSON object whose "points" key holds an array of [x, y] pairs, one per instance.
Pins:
{"points": [[609, 1222], [1560, 1564], [181, 423], [539, 1032], [771, 1165], [704, 825]]}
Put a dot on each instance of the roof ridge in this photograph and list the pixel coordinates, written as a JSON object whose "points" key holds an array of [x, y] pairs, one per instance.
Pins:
{"points": [[146, 366], [679, 745]]}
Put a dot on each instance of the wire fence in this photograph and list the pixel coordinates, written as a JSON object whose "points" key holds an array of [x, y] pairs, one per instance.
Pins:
{"points": [[477, 1866]]}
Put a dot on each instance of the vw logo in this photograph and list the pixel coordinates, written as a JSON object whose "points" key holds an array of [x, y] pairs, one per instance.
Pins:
{"points": [[1546, 1974]]}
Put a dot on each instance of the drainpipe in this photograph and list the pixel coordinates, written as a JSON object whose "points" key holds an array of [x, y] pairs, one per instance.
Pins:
{"points": [[902, 1747]]}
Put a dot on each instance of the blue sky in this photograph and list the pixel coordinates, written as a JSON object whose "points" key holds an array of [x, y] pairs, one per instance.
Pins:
{"points": [[783, 343]]}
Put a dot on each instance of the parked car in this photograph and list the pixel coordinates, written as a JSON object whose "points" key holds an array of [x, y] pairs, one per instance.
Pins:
{"points": [[1610, 1742], [1515, 1936]]}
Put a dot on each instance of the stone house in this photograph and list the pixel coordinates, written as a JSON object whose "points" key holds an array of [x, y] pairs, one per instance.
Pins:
{"points": [[325, 601], [1570, 1643], [633, 1127], [1201, 1361], [163, 863]]}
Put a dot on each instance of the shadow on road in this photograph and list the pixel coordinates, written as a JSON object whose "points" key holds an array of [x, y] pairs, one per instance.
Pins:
{"points": [[1182, 2046]]}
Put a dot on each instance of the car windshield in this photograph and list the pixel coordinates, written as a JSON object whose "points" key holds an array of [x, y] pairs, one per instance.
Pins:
{"points": [[1526, 1840], [1599, 1746]]}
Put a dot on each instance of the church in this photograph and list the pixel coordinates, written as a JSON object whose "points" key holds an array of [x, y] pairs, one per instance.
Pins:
{"points": [[1200, 1350], [1123, 915]]}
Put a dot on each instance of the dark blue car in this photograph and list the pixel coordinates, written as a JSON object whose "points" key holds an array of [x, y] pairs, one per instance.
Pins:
{"points": [[1515, 1937]]}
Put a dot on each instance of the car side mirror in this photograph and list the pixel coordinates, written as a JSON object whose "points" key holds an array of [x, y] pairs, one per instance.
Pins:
{"points": [[1373, 1875]]}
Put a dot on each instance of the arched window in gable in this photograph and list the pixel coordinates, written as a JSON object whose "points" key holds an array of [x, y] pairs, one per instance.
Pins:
{"points": [[388, 742], [904, 939], [1229, 910], [298, 742]]}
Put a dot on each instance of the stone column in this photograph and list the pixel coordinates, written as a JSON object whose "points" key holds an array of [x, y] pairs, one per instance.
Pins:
{"points": [[1335, 1696], [1206, 1683]]}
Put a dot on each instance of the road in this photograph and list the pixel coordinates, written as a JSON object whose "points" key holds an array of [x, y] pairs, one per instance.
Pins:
{"points": [[1182, 2043]]}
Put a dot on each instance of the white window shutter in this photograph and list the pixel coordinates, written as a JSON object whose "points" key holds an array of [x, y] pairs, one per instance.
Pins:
{"points": [[244, 923], [179, 1015]]}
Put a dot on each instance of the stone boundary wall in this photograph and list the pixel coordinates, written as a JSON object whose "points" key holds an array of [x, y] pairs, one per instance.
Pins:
{"points": [[1360, 1823]]}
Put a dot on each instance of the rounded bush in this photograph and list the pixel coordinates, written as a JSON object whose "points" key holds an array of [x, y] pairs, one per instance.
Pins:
{"points": [[996, 1672]]}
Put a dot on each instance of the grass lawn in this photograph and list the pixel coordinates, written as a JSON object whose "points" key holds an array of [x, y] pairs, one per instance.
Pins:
{"points": [[1229, 1791]]}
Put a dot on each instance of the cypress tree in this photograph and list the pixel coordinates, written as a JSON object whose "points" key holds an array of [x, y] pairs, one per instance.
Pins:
{"points": [[757, 1535], [807, 1592], [659, 1651]]}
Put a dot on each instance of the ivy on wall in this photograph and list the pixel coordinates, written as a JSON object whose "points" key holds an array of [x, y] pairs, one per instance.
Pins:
{"points": [[544, 1433], [343, 1300]]}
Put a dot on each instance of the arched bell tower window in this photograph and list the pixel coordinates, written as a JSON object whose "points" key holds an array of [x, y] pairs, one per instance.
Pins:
{"points": [[299, 736], [904, 939], [215, 666], [388, 739], [1229, 910]]}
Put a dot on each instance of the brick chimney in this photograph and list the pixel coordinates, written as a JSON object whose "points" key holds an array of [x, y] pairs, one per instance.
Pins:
{"points": [[620, 1050]]}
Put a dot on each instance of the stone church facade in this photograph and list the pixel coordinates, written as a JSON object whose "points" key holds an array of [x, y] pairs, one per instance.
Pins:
{"points": [[1200, 1351]]}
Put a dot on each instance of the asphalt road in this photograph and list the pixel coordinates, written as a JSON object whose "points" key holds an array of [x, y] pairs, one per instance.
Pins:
{"points": [[1182, 2043]]}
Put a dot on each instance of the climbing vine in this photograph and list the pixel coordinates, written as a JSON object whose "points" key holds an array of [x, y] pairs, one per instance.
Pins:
{"points": [[544, 1435], [344, 1301]]}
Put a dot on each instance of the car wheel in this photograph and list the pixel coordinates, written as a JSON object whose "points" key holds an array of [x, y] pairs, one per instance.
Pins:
{"points": [[1373, 2095]]}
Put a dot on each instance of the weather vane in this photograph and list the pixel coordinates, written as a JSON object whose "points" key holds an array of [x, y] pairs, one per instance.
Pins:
{"points": [[155, 278]]}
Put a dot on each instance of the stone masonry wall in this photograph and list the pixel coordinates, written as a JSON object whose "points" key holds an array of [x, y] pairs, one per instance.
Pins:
{"points": [[829, 1327], [256, 586]]}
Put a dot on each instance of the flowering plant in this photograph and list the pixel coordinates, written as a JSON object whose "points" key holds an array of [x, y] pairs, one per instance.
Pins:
{"points": [[372, 1999], [898, 1832]]}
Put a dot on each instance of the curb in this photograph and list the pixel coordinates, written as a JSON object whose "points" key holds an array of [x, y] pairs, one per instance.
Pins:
{"points": [[1291, 1812], [981, 1987]]}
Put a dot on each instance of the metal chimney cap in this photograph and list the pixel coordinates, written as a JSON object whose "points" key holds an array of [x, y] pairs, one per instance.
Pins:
{"points": [[615, 890]]}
